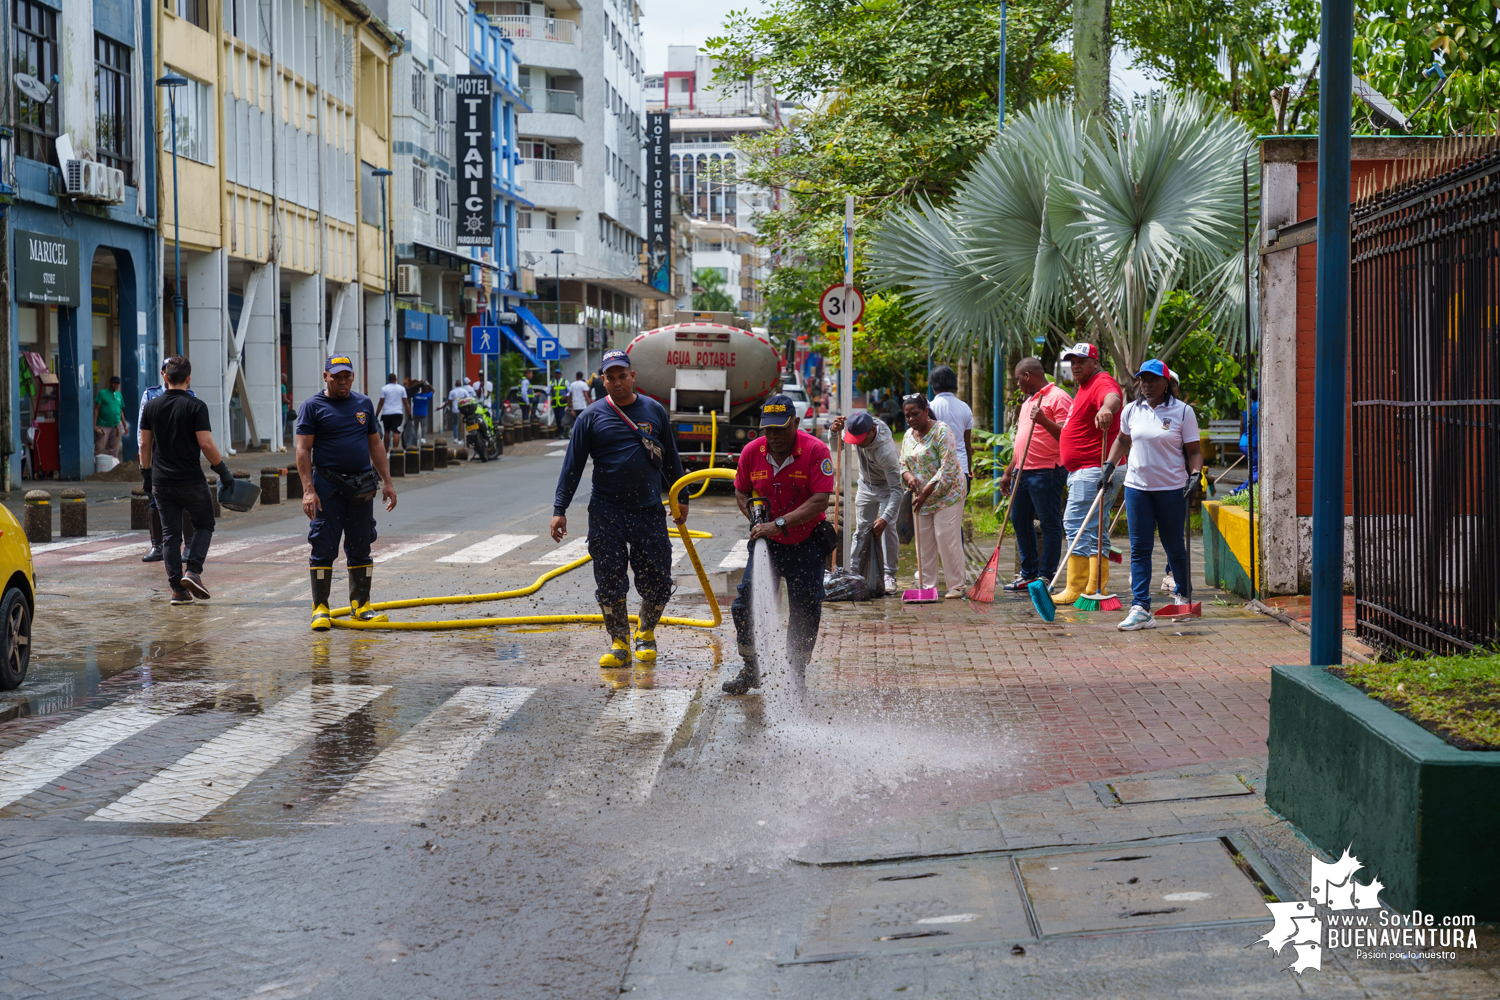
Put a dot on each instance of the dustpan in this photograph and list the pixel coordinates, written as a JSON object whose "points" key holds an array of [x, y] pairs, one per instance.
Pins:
{"points": [[1189, 608], [921, 595]]}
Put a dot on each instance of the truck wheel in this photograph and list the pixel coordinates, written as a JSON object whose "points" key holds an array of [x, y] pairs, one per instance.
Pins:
{"points": [[15, 638]]}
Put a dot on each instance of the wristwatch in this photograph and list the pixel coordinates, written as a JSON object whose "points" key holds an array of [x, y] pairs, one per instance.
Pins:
{"points": [[781, 523]]}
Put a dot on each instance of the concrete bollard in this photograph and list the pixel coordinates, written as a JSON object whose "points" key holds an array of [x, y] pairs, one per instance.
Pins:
{"points": [[413, 462], [293, 484], [440, 454], [140, 509], [397, 461], [38, 517], [213, 491], [73, 513], [270, 485], [428, 457], [462, 454]]}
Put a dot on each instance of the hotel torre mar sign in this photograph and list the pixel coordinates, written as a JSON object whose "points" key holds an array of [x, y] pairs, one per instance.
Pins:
{"points": [[47, 270]]}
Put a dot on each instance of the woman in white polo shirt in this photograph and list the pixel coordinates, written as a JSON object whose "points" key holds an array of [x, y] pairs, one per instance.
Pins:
{"points": [[1161, 433]]}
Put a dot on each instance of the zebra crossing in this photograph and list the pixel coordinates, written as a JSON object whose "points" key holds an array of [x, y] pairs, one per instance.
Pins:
{"points": [[620, 758]]}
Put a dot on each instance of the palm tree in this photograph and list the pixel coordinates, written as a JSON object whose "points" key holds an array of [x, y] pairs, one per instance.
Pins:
{"points": [[1065, 223]]}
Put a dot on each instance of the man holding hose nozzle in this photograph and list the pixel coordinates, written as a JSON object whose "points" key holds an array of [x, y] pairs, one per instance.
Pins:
{"points": [[792, 472]]}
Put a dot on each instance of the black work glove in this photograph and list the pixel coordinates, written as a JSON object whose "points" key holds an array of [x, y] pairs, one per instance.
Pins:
{"points": [[1106, 476], [1194, 488], [226, 478], [146, 479]]}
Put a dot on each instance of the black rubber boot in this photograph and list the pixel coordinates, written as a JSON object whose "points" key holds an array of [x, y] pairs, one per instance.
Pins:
{"points": [[645, 635], [155, 554], [360, 580], [748, 677], [617, 624], [322, 586]]}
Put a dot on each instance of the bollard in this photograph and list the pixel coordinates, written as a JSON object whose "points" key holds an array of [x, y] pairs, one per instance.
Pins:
{"points": [[462, 454], [213, 491], [397, 462], [38, 517], [413, 462], [140, 509], [429, 459], [270, 485], [440, 454], [73, 513], [293, 483]]}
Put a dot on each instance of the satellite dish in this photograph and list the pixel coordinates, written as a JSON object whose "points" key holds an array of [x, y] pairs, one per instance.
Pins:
{"points": [[1376, 101], [33, 88]]}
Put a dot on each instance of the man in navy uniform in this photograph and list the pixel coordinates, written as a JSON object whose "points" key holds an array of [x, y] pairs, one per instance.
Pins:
{"points": [[634, 451], [339, 451]]}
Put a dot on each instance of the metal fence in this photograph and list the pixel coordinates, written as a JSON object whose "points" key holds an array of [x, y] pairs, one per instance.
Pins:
{"points": [[1425, 395]]}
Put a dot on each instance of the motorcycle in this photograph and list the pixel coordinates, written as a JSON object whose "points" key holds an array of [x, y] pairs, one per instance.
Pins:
{"points": [[480, 430]]}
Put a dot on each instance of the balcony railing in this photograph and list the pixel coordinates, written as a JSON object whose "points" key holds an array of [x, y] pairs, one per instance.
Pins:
{"points": [[548, 29], [547, 240], [549, 171], [562, 102], [549, 313]]}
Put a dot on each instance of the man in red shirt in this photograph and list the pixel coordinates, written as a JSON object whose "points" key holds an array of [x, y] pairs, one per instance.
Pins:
{"points": [[1092, 427], [1039, 483], [792, 471]]}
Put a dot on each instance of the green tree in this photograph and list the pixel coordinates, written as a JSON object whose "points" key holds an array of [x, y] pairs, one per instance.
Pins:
{"points": [[713, 298]]}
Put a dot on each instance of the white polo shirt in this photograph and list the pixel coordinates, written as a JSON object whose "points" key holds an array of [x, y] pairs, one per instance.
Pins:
{"points": [[956, 414], [1157, 436]]}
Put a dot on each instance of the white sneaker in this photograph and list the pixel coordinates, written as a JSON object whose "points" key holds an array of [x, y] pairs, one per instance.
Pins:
{"points": [[1138, 619], [890, 585], [1168, 585]]}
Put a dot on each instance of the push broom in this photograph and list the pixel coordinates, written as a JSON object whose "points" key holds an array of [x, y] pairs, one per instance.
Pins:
{"points": [[1041, 593], [1098, 601]]}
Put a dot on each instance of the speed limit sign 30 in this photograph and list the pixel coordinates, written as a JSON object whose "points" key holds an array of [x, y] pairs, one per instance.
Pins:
{"points": [[835, 306]]}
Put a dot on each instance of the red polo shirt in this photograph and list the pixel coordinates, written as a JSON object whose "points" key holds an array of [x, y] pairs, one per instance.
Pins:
{"points": [[1082, 444], [809, 471]]}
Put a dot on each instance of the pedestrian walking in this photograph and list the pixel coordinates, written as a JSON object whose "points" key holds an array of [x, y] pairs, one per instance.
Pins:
{"points": [[339, 451], [154, 515], [877, 497], [460, 390], [394, 406], [596, 387], [1041, 483], [110, 428], [175, 430], [525, 394], [954, 412], [930, 469], [579, 398], [793, 472], [559, 398], [1163, 476], [1091, 428], [630, 440]]}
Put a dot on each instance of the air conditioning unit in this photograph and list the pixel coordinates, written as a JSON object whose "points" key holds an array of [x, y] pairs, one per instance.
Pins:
{"points": [[471, 301], [408, 280], [86, 180]]}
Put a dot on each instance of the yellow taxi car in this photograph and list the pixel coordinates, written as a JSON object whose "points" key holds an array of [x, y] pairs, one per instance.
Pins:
{"points": [[17, 601]]}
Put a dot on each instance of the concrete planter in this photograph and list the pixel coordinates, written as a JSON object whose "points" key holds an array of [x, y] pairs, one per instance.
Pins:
{"points": [[1226, 547], [1419, 813]]}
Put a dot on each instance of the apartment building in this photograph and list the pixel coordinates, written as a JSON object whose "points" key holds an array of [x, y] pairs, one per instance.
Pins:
{"points": [[281, 123], [78, 169], [582, 164]]}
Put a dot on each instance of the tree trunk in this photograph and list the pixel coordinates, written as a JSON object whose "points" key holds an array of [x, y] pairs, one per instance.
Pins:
{"points": [[977, 378], [965, 387], [1091, 45]]}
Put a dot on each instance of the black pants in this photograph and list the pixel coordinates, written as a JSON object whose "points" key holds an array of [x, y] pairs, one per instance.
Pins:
{"points": [[636, 538], [801, 566], [174, 500]]}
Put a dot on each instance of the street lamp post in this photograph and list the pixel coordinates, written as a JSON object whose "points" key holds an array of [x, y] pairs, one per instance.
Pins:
{"points": [[385, 266], [557, 301], [170, 82]]}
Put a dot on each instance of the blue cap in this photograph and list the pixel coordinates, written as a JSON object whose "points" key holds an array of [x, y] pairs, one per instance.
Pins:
{"points": [[1157, 367], [614, 359], [778, 411], [338, 363]]}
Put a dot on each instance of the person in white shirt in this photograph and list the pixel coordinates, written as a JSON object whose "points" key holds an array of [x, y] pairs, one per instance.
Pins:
{"points": [[525, 392], [459, 391], [956, 414], [394, 406], [579, 394], [1164, 475]]}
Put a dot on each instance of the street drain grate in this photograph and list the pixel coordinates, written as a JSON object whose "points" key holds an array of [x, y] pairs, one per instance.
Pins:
{"points": [[1196, 882], [1205, 786]]}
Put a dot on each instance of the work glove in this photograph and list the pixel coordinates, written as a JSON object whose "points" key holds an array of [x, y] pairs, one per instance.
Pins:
{"points": [[1194, 488], [1106, 476], [226, 479], [146, 479]]}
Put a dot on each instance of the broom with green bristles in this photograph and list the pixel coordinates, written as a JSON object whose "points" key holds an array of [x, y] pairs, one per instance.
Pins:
{"points": [[1097, 601]]}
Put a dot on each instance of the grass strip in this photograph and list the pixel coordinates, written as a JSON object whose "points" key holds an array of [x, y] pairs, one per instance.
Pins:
{"points": [[1456, 698]]}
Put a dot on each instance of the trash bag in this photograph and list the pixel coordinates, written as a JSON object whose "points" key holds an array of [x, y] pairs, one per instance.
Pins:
{"points": [[906, 525], [868, 561], [840, 584]]}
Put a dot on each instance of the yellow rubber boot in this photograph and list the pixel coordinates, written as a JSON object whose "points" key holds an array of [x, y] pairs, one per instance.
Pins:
{"points": [[322, 585], [1078, 580], [618, 655], [645, 646]]}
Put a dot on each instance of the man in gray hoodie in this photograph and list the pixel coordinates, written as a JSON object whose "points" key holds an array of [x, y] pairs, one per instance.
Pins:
{"points": [[877, 498]]}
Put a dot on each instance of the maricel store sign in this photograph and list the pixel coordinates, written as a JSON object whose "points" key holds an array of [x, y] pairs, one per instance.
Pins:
{"points": [[47, 269]]}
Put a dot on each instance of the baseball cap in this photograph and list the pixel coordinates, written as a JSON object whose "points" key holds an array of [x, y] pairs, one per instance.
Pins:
{"points": [[338, 363], [858, 426], [1081, 350], [778, 411], [1158, 368], [613, 359]]}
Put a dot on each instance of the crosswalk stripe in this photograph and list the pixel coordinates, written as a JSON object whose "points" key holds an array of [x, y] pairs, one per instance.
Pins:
{"points": [[25, 768], [297, 553], [678, 550], [212, 774], [623, 754], [385, 552], [738, 557], [113, 553], [67, 543], [576, 549], [491, 548], [405, 778], [241, 544]]}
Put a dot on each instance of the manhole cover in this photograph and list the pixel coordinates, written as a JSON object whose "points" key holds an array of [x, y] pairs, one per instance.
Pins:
{"points": [[1207, 786], [1139, 887], [916, 907]]}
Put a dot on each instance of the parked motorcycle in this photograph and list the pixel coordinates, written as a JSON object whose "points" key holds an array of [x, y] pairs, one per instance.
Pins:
{"points": [[480, 429]]}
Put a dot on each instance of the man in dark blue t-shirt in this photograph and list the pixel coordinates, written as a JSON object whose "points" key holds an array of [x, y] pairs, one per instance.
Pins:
{"points": [[626, 522], [340, 453]]}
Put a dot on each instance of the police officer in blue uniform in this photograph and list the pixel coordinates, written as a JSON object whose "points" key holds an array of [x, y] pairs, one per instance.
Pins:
{"points": [[340, 453], [634, 452]]}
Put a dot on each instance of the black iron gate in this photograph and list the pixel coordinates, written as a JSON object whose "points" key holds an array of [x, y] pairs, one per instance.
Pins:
{"points": [[1425, 389]]}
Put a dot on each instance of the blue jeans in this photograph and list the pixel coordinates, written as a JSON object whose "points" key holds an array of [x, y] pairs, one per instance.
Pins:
{"points": [[1038, 496], [1081, 492], [1148, 511]]}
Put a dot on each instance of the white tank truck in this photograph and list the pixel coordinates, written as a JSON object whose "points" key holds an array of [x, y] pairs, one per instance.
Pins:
{"points": [[710, 370]]}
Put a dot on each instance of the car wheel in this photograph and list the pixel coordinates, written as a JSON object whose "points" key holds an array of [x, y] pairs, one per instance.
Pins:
{"points": [[15, 638]]}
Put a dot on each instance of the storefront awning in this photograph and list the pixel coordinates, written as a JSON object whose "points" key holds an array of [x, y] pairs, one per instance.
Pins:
{"points": [[530, 320]]}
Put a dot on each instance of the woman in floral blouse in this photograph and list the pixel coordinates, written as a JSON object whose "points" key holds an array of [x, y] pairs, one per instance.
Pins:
{"points": [[931, 470]]}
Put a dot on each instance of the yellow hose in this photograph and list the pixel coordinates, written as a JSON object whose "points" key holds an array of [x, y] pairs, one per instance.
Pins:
{"points": [[713, 447], [341, 618]]}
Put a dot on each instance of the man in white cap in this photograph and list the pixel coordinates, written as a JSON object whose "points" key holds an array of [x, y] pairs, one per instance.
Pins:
{"points": [[1093, 424]]}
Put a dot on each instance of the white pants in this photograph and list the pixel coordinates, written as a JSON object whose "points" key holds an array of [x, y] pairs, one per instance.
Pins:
{"points": [[866, 510], [942, 536]]}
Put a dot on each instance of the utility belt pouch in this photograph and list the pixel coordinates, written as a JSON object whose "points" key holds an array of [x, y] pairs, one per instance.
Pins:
{"points": [[357, 488], [826, 537]]}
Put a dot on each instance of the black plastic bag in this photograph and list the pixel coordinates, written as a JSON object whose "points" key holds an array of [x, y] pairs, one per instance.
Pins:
{"points": [[868, 561], [840, 584]]}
